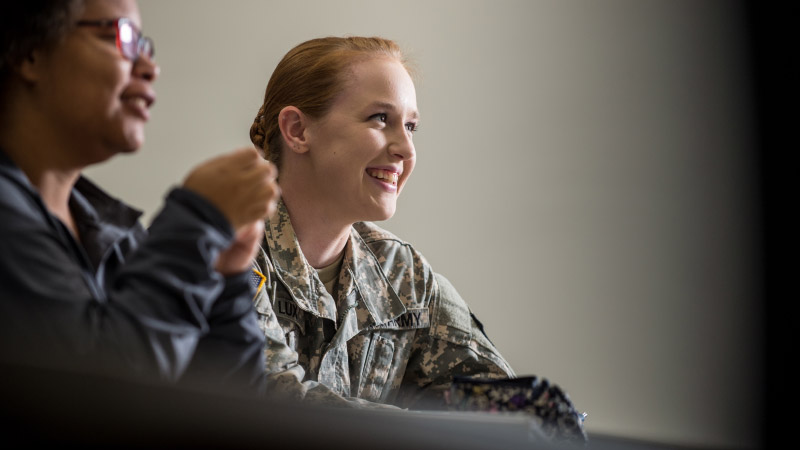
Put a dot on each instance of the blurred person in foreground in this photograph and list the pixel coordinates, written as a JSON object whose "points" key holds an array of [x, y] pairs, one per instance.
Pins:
{"points": [[83, 286]]}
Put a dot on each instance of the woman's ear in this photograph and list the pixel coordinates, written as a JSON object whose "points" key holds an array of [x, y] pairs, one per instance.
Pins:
{"points": [[293, 124], [28, 67]]}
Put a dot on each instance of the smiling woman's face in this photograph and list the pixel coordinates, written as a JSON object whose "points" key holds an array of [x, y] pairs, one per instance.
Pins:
{"points": [[96, 97], [362, 150]]}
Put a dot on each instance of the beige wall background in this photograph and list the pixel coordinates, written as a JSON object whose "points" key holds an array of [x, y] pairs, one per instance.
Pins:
{"points": [[584, 177]]}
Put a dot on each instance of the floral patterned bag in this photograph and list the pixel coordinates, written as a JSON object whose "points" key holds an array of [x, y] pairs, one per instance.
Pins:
{"points": [[549, 406]]}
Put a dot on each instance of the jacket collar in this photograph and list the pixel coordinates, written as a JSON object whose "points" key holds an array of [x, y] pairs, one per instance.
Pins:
{"points": [[101, 219], [87, 199]]}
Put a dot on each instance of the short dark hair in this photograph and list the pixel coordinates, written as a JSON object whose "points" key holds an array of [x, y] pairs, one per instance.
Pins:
{"points": [[28, 25]]}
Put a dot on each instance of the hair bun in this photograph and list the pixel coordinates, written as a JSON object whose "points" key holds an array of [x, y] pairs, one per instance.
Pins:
{"points": [[257, 130]]}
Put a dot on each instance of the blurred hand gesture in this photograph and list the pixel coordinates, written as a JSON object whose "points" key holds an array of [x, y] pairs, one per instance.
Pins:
{"points": [[243, 186]]}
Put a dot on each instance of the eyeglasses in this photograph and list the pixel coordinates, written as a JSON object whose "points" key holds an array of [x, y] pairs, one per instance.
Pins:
{"points": [[130, 42]]}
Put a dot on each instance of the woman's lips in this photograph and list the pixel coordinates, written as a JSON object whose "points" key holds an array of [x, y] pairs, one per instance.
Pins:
{"points": [[385, 178], [139, 103]]}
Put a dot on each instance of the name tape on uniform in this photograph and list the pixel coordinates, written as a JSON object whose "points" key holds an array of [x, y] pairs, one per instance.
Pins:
{"points": [[413, 318], [287, 309]]}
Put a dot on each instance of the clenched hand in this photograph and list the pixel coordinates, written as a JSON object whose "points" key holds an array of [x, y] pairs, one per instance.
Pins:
{"points": [[243, 186]]}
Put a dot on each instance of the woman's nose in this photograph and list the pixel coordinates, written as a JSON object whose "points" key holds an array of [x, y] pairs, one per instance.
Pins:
{"points": [[146, 69], [403, 147]]}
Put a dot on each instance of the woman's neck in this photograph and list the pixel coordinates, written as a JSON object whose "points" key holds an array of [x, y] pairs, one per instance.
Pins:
{"points": [[55, 188], [51, 177], [321, 240], [50, 159]]}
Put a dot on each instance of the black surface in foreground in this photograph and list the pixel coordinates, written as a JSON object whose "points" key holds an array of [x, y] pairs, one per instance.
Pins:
{"points": [[53, 407]]}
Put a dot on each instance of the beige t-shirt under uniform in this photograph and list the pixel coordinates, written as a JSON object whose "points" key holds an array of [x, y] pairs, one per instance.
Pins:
{"points": [[329, 275]]}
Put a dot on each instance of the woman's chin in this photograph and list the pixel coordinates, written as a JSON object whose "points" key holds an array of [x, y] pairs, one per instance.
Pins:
{"points": [[132, 139], [386, 214], [379, 213]]}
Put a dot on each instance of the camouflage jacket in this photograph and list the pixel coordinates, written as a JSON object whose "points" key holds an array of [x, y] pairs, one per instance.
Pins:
{"points": [[396, 334]]}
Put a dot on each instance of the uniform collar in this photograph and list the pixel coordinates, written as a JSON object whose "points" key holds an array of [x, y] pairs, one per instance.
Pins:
{"points": [[366, 276], [363, 284]]}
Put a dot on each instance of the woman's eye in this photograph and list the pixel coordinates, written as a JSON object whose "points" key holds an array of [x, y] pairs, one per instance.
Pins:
{"points": [[380, 116], [112, 38], [412, 127]]}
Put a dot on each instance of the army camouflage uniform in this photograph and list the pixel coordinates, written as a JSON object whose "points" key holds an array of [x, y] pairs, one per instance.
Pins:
{"points": [[396, 333]]}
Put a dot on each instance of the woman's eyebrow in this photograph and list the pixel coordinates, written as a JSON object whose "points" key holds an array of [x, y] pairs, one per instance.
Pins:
{"points": [[390, 106]]}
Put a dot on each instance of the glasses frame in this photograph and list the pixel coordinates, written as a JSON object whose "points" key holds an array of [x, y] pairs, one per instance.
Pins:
{"points": [[142, 45]]}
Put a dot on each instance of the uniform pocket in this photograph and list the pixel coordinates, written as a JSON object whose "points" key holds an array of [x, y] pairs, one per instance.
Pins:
{"points": [[376, 368]]}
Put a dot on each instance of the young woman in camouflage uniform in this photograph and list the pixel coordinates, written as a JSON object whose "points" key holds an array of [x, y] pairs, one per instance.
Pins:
{"points": [[351, 312]]}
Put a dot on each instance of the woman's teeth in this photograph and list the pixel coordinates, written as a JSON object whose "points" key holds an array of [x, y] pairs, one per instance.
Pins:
{"points": [[138, 102], [385, 175]]}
